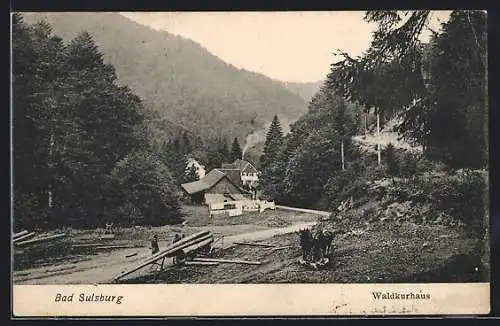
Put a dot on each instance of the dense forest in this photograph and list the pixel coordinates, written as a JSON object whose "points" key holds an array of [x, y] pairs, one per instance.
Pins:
{"points": [[437, 90], [83, 152]]}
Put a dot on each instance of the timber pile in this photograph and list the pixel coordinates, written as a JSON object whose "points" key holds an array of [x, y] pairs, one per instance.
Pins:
{"points": [[27, 239], [184, 246], [188, 248]]}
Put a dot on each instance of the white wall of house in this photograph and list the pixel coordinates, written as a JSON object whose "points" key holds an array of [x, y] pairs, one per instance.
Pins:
{"points": [[249, 178]]}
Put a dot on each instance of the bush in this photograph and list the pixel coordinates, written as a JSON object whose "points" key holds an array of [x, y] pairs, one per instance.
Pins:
{"points": [[407, 164], [460, 195], [144, 191], [352, 182], [463, 196]]}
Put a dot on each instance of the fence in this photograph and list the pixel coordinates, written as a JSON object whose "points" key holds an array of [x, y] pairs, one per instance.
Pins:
{"points": [[236, 208]]}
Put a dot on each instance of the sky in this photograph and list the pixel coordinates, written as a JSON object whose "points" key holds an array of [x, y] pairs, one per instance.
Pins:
{"points": [[288, 46]]}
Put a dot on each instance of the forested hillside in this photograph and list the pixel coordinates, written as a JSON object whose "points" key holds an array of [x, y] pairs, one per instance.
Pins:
{"points": [[435, 91], [181, 80]]}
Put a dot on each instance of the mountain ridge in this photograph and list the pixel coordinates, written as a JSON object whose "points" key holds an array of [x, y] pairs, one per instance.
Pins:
{"points": [[179, 78]]}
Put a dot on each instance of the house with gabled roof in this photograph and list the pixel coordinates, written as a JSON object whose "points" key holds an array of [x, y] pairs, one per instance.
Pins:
{"points": [[216, 187], [249, 175]]}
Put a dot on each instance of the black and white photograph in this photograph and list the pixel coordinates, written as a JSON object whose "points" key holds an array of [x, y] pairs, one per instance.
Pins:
{"points": [[332, 147]]}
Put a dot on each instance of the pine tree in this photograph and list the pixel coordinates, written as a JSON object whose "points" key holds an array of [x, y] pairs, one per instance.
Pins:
{"points": [[236, 152], [38, 56], [107, 117], [224, 150], [217, 153], [391, 161], [273, 143]]}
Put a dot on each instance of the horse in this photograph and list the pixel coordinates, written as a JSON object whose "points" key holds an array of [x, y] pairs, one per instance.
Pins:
{"points": [[306, 242], [322, 242]]}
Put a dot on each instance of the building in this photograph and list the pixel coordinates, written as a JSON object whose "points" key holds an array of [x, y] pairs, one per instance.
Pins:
{"points": [[249, 175], [200, 169], [215, 187]]}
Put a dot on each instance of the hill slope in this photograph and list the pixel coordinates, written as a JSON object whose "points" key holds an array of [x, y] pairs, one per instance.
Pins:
{"points": [[304, 90], [184, 82]]}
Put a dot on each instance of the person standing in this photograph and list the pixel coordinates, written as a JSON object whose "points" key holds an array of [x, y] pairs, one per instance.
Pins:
{"points": [[177, 237], [154, 245]]}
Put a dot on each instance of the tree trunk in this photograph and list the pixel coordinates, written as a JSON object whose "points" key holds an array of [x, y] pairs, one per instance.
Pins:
{"points": [[342, 153], [378, 138], [366, 123], [51, 145]]}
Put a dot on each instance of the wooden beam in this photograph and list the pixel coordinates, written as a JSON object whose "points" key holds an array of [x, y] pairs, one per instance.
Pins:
{"points": [[24, 237], [254, 244], [198, 245], [39, 240], [200, 263], [279, 248], [18, 234], [228, 261], [115, 247]]}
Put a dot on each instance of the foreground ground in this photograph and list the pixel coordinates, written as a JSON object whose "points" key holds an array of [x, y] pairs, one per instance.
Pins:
{"points": [[386, 251], [65, 264]]}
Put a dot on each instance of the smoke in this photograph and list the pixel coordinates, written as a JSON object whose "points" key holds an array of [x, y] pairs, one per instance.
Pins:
{"points": [[259, 136], [253, 139]]}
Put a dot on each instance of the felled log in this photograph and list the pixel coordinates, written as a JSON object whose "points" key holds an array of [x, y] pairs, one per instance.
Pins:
{"points": [[228, 261], [278, 248], [24, 237], [101, 246], [131, 255], [169, 251], [114, 247], [254, 244], [40, 240], [179, 244], [198, 245], [201, 263], [18, 234]]}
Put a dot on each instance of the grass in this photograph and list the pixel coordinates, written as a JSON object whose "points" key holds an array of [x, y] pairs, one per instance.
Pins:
{"points": [[199, 216]]}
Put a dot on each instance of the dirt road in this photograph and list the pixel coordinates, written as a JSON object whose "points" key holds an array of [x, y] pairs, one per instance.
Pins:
{"points": [[264, 234], [103, 267]]}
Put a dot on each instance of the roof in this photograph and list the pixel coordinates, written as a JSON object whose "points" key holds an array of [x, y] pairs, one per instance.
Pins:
{"points": [[238, 164], [207, 182], [211, 179], [243, 165], [229, 166], [233, 174]]}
